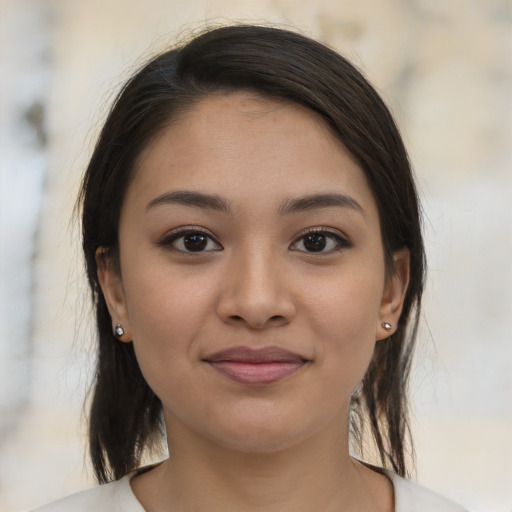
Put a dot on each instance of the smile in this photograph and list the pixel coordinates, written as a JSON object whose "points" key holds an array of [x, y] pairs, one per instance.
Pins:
{"points": [[259, 367]]}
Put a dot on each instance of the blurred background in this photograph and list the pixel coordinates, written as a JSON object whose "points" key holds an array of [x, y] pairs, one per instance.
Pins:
{"points": [[443, 66]]}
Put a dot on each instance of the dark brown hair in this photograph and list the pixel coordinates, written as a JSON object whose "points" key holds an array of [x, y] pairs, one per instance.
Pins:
{"points": [[125, 416]]}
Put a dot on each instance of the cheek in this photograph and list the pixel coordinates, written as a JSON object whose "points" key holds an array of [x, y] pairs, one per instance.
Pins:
{"points": [[344, 316], [164, 302], [347, 307], [167, 312]]}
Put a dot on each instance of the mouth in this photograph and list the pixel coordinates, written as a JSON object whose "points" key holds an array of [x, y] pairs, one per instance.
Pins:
{"points": [[256, 367]]}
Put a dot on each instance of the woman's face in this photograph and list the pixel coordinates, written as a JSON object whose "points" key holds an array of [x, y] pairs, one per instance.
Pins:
{"points": [[252, 278]]}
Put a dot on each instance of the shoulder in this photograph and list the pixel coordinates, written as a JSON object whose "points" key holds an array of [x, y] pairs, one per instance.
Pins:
{"points": [[411, 497], [112, 497]]}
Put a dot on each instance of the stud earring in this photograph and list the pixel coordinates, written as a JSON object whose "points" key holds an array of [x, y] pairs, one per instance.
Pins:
{"points": [[386, 326], [118, 331]]}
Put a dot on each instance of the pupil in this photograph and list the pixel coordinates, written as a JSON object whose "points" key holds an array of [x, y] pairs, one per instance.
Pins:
{"points": [[195, 242], [314, 242]]}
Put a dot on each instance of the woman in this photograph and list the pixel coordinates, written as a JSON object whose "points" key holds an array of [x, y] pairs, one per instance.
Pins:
{"points": [[253, 244]]}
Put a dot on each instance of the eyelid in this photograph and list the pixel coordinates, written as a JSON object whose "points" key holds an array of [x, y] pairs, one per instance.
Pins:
{"points": [[175, 234], [333, 233]]}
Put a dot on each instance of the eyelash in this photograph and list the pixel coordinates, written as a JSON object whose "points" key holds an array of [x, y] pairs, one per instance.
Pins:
{"points": [[170, 239], [340, 241]]}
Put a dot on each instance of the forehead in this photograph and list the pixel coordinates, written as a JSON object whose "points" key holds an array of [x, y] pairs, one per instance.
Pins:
{"points": [[222, 118], [241, 143]]}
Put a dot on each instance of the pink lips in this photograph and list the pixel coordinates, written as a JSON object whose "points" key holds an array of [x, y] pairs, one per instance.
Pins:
{"points": [[256, 367]]}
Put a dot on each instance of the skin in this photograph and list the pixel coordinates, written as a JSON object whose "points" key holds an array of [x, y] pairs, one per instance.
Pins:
{"points": [[282, 446]]}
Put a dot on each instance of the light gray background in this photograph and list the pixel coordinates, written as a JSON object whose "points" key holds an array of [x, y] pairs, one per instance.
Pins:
{"points": [[444, 66]]}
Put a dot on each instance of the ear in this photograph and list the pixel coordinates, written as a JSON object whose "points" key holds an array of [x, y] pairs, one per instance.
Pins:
{"points": [[394, 294], [111, 284]]}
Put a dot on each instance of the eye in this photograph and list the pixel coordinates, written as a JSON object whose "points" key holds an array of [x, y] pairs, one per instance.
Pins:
{"points": [[190, 240], [320, 242]]}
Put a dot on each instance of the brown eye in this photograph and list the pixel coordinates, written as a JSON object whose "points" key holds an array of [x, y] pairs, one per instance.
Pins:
{"points": [[195, 242], [315, 242], [321, 242], [190, 241]]}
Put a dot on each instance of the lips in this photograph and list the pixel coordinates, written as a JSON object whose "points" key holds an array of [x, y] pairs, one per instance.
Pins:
{"points": [[256, 367]]}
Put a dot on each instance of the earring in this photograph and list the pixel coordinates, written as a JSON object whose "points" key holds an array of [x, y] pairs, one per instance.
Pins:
{"points": [[386, 326], [118, 331]]}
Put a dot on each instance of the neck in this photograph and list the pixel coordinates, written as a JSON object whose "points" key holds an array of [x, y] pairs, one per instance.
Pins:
{"points": [[317, 474]]}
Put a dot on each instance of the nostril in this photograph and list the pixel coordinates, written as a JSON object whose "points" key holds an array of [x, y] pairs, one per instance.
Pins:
{"points": [[258, 324]]}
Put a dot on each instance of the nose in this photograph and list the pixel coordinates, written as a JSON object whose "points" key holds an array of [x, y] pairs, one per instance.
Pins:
{"points": [[256, 292]]}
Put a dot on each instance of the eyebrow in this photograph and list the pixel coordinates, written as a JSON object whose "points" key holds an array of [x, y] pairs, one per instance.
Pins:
{"points": [[189, 198], [290, 206], [318, 201]]}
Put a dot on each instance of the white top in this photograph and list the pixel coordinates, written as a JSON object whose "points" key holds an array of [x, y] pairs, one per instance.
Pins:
{"points": [[118, 497]]}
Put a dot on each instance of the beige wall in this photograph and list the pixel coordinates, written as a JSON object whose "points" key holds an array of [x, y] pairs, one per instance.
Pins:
{"points": [[445, 68]]}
